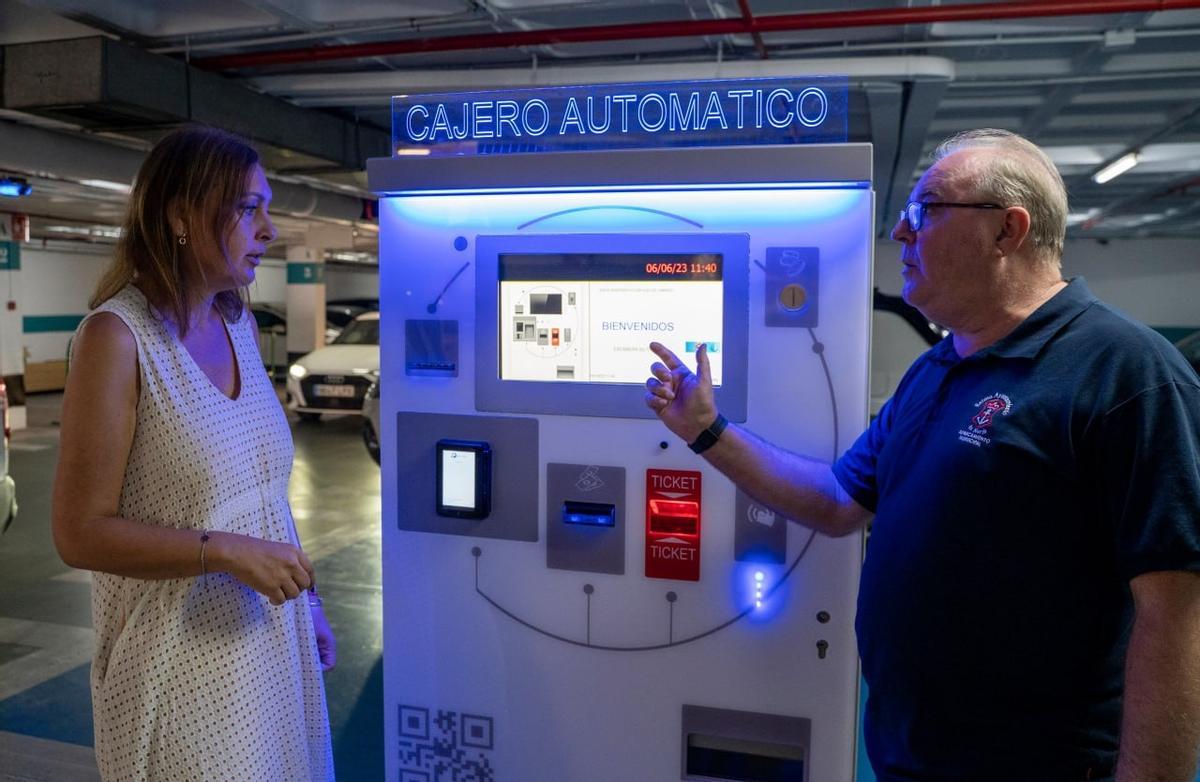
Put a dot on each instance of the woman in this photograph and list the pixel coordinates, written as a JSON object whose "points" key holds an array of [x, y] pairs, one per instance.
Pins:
{"points": [[172, 486]]}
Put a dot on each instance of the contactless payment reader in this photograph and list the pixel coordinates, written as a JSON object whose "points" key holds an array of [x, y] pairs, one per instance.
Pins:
{"points": [[571, 594]]}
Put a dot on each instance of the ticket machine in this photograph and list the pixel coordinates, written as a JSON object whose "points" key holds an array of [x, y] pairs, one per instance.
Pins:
{"points": [[570, 594]]}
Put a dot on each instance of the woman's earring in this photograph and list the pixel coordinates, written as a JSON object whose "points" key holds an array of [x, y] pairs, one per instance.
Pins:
{"points": [[182, 239]]}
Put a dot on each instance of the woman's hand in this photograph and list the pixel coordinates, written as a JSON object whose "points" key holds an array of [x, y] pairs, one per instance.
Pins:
{"points": [[280, 571], [326, 643]]}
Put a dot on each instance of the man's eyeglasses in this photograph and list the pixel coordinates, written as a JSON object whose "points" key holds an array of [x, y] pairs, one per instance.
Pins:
{"points": [[914, 213]]}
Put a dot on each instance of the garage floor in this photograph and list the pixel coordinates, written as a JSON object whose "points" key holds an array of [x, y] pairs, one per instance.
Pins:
{"points": [[45, 619]]}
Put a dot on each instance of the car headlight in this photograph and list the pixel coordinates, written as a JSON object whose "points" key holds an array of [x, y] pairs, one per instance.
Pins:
{"points": [[297, 371]]}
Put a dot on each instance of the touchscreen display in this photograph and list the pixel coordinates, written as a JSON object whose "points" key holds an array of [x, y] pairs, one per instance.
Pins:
{"points": [[458, 479], [589, 317]]}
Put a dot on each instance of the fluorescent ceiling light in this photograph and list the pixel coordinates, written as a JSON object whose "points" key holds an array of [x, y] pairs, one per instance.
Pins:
{"points": [[1116, 168], [354, 257], [95, 231], [12, 187], [104, 184], [1075, 218]]}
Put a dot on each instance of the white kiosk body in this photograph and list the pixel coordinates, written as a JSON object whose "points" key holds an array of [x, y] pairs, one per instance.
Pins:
{"points": [[570, 594]]}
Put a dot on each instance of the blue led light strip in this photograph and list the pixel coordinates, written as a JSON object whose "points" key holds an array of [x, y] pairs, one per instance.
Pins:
{"points": [[477, 552], [636, 188]]}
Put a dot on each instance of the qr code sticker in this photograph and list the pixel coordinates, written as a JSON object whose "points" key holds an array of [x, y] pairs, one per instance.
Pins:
{"points": [[444, 746]]}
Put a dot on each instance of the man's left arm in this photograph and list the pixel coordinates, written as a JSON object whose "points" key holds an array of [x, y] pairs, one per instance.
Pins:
{"points": [[1160, 725]]}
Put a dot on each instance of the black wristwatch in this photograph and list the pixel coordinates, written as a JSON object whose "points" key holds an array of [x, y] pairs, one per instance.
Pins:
{"points": [[708, 438]]}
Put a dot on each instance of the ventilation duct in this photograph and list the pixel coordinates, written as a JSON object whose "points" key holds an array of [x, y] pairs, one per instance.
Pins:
{"points": [[38, 152], [103, 84]]}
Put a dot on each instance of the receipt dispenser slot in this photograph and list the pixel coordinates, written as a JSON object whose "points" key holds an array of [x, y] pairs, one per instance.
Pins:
{"points": [[744, 746], [674, 517]]}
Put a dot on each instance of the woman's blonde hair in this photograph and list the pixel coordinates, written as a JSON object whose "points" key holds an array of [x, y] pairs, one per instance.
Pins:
{"points": [[197, 175]]}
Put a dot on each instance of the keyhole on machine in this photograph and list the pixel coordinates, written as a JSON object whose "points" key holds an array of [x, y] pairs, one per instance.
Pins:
{"points": [[822, 648], [793, 297]]}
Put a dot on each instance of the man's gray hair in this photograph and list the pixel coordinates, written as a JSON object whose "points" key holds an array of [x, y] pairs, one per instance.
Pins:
{"points": [[1021, 174]]}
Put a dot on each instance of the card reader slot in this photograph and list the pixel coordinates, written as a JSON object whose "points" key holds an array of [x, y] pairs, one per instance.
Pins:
{"points": [[595, 514]]}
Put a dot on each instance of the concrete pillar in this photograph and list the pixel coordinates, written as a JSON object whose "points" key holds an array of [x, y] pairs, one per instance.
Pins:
{"points": [[305, 301], [12, 352]]}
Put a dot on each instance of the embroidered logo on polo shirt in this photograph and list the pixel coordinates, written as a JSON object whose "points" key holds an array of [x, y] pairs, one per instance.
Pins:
{"points": [[987, 409]]}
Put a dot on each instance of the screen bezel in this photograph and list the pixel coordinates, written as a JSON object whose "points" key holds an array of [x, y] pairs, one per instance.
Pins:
{"points": [[616, 400], [483, 479]]}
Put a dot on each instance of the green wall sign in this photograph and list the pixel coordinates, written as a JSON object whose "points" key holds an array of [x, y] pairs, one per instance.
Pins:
{"points": [[305, 273], [10, 256]]}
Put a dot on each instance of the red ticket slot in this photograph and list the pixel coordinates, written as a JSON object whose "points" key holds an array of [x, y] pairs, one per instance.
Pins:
{"points": [[673, 524], [671, 516]]}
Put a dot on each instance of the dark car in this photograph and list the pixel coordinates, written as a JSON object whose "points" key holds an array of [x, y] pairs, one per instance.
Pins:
{"points": [[272, 328], [338, 316], [1189, 346], [272, 334], [364, 304]]}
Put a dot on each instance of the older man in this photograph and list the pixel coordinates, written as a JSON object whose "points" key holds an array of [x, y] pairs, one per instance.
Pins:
{"points": [[1030, 602]]}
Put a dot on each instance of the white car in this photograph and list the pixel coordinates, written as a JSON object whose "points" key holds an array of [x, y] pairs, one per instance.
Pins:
{"points": [[334, 379], [370, 414]]}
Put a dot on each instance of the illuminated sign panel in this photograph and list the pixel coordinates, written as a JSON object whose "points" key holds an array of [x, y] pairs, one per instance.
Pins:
{"points": [[700, 113]]}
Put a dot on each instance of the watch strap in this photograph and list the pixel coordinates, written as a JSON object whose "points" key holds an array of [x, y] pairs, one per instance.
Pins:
{"points": [[708, 438]]}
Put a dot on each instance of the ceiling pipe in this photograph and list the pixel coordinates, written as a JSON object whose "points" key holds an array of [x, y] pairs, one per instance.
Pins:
{"points": [[875, 17], [380, 85], [64, 156], [410, 25], [1177, 186], [1095, 78], [748, 16]]}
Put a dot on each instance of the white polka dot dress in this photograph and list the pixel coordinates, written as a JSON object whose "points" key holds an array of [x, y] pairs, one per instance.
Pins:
{"points": [[194, 680]]}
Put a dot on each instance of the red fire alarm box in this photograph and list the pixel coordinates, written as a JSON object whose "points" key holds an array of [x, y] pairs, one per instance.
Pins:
{"points": [[673, 524]]}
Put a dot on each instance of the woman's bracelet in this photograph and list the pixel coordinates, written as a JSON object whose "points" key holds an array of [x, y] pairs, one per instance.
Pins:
{"points": [[203, 562]]}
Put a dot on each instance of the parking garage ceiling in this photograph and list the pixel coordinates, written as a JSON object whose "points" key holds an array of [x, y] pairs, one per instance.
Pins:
{"points": [[309, 80]]}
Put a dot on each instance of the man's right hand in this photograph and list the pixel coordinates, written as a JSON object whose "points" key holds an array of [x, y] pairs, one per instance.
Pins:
{"points": [[279, 571], [683, 400]]}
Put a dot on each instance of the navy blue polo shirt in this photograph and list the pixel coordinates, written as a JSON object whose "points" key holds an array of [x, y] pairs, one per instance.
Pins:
{"points": [[1016, 492]]}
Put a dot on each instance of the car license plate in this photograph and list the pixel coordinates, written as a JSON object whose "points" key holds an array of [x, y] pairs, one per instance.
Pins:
{"points": [[321, 389]]}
